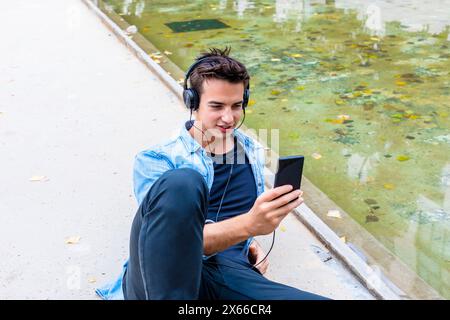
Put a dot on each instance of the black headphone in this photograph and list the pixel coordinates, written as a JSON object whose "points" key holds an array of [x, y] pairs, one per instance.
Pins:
{"points": [[192, 98]]}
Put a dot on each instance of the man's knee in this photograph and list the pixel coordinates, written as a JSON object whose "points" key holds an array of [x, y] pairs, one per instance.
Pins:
{"points": [[183, 178], [184, 182], [181, 191]]}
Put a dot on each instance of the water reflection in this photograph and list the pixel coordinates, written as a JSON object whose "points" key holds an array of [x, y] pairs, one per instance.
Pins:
{"points": [[416, 15], [241, 5]]}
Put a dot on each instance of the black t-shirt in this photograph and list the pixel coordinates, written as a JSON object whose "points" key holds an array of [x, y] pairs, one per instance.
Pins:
{"points": [[240, 194]]}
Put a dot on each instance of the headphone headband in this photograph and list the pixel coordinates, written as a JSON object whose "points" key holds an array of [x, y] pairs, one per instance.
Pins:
{"points": [[192, 98]]}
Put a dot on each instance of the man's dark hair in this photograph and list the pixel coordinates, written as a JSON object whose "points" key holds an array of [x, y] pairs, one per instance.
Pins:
{"points": [[218, 65]]}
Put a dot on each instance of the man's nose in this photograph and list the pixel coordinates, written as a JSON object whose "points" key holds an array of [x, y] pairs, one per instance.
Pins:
{"points": [[227, 116]]}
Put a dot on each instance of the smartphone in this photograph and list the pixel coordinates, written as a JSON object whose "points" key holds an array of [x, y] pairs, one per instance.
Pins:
{"points": [[289, 171]]}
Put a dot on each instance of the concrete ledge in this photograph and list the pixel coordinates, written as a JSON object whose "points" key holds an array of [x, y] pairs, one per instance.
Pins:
{"points": [[370, 277]]}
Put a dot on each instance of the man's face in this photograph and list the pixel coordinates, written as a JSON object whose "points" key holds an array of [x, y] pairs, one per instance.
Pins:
{"points": [[220, 107]]}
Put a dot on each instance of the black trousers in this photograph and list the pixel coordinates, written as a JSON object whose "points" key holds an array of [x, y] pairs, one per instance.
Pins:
{"points": [[166, 250]]}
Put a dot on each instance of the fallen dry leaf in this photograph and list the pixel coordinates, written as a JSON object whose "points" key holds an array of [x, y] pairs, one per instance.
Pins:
{"points": [[92, 280], [334, 214], [73, 240], [38, 178]]}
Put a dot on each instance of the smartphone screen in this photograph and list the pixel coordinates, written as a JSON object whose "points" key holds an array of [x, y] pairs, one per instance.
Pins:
{"points": [[290, 171]]}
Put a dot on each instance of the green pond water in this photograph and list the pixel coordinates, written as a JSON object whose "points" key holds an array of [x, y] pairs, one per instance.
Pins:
{"points": [[363, 93]]}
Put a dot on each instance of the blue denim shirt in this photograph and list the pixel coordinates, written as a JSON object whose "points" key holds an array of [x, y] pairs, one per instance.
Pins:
{"points": [[182, 152]]}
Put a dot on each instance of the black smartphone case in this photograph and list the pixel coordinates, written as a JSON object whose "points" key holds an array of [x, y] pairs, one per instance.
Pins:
{"points": [[290, 170]]}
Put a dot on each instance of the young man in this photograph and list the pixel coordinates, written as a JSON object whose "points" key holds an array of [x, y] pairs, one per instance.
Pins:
{"points": [[202, 201]]}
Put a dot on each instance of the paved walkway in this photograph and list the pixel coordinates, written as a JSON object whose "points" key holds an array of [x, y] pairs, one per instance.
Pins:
{"points": [[75, 107]]}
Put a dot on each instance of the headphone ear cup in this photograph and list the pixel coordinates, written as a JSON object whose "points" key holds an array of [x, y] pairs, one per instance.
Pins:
{"points": [[245, 98], [190, 98], [195, 100]]}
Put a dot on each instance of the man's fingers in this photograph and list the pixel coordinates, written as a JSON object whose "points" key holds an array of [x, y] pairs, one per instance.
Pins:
{"points": [[285, 199], [275, 193], [283, 211]]}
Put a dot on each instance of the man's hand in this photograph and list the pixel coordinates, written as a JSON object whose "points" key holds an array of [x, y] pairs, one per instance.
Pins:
{"points": [[255, 255], [270, 208]]}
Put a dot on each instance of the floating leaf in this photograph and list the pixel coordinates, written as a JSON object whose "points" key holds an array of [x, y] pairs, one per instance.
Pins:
{"points": [[296, 55], [343, 117], [369, 105], [300, 88], [38, 178], [372, 218], [334, 214], [275, 59], [389, 186], [403, 158], [316, 155], [275, 92], [73, 240], [284, 100], [400, 83], [251, 102], [294, 135], [370, 201], [167, 53], [339, 102], [337, 121], [248, 111]]}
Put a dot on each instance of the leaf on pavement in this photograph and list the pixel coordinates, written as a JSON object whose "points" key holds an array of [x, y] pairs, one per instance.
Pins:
{"points": [[73, 240]]}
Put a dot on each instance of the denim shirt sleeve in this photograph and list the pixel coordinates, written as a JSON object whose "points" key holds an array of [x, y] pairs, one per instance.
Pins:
{"points": [[148, 167]]}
